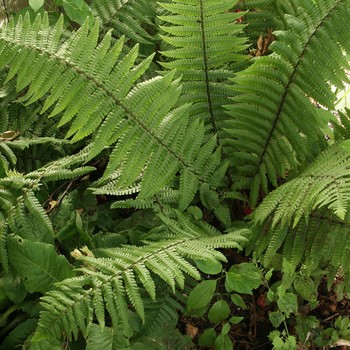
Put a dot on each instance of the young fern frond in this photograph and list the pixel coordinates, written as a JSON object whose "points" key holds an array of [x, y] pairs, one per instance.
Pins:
{"points": [[325, 183], [119, 274], [205, 37], [276, 86]]}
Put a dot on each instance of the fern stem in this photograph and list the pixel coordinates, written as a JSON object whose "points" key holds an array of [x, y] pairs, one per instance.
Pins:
{"points": [[205, 58], [160, 205]]}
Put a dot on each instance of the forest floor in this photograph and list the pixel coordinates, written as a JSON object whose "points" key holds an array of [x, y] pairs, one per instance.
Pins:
{"points": [[252, 332]]}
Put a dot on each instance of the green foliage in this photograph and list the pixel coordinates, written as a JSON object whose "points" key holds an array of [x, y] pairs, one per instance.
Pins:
{"points": [[133, 134]]}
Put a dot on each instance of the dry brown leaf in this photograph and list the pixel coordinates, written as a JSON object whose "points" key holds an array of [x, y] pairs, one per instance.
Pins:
{"points": [[192, 331]]}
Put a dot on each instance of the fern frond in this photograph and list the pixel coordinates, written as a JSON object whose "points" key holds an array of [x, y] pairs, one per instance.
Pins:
{"points": [[260, 18], [126, 17], [3, 246], [323, 241], [325, 183], [275, 87], [205, 37], [123, 271], [95, 93]]}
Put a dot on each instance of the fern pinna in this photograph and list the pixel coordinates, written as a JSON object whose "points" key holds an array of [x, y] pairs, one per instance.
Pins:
{"points": [[129, 148]]}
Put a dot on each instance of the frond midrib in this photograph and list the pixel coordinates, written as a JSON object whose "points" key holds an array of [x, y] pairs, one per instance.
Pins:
{"points": [[125, 108], [205, 59], [120, 273], [261, 158]]}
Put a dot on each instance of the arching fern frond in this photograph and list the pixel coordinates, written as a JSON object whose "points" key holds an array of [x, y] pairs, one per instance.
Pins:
{"points": [[325, 183], [93, 89], [119, 274], [206, 39], [273, 112]]}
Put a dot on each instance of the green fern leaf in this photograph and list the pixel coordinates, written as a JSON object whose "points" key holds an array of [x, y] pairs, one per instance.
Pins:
{"points": [[114, 275], [206, 38], [276, 86]]}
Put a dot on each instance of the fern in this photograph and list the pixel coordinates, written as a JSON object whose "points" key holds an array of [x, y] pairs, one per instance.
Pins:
{"points": [[129, 112], [277, 85], [324, 183], [205, 37], [119, 274], [322, 241], [114, 111], [125, 17]]}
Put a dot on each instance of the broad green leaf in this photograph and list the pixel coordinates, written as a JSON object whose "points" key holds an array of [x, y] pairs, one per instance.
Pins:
{"points": [[195, 211], [288, 303], [201, 294], [225, 329], [52, 344], [219, 311], [77, 11], [231, 280], [306, 287], [243, 278], [207, 338], [18, 336], [36, 4], [223, 342], [276, 318], [13, 286], [236, 319], [4, 299], [198, 312], [37, 263], [209, 267], [238, 300]]}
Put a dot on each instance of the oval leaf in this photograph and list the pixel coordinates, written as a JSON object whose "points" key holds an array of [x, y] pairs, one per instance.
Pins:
{"points": [[223, 342], [209, 267], [207, 338], [236, 319], [219, 311], [36, 4], [238, 300], [201, 294], [243, 278]]}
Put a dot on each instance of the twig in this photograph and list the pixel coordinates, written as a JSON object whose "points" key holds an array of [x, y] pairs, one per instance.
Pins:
{"points": [[254, 317], [307, 338], [330, 317], [65, 344], [59, 201], [5, 8]]}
